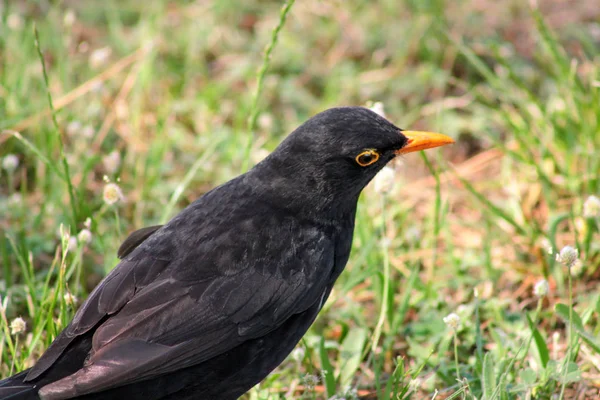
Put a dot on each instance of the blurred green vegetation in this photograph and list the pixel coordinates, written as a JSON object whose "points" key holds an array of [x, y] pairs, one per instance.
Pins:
{"points": [[155, 96]]}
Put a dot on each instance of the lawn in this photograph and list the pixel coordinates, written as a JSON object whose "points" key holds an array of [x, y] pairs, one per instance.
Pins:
{"points": [[475, 276]]}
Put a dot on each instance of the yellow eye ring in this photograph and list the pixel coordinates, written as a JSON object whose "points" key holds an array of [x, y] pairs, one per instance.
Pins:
{"points": [[367, 158]]}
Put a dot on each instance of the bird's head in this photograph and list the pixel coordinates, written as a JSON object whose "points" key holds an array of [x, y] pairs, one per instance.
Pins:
{"points": [[331, 157]]}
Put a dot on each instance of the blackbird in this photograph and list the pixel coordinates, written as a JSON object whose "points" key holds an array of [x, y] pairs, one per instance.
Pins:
{"points": [[207, 305]]}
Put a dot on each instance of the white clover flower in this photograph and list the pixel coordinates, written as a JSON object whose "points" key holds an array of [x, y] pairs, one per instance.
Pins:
{"points": [[453, 321], [14, 22], [112, 161], [259, 155], [73, 128], [385, 242], [546, 244], [69, 18], [568, 256], [310, 381], [17, 326], [577, 268], [88, 223], [15, 199], [70, 299], [541, 288], [99, 57], [591, 207], [112, 193], [72, 244], [265, 121], [87, 131], [384, 180], [84, 236], [414, 384], [412, 234], [10, 162], [378, 108], [298, 354]]}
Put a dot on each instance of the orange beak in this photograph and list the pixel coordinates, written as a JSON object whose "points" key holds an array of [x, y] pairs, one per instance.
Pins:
{"points": [[423, 140]]}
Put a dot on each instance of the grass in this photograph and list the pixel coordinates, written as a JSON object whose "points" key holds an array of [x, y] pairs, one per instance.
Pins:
{"points": [[158, 99]]}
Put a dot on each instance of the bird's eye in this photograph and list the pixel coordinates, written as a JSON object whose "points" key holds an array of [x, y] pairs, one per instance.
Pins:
{"points": [[367, 158]]}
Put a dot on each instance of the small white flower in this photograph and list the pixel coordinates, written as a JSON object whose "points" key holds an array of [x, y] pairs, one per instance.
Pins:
{"points": [[265, 121], [112, 161], [546, 244], [72, 244], [14, 22], [414, 384], [10, 162], [577, 268], [412, 234], [385, 243], [112, 193], [568, 256], [378, 108], [384, 180], [259, 155], [88, 223], [70, 299], [87, 131], [298, 354], [73, 128], [15, 199], [310, 381], [84, 236], [541, 288], [69, 18], [453, 321], [99, 57], [591, 207], [17, 326]]}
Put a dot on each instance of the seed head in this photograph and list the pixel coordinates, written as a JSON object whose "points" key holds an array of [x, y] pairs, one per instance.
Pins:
{"points": [[384, 180], [112, 193], [541, 288], [568, 256], [591, 207], [84, 236], [70, 299], [17, 326], [10, 162], [453, 321]]}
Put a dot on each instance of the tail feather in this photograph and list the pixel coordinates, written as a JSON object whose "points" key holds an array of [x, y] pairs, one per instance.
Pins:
{"points": [[21, 392], [13, 388]]}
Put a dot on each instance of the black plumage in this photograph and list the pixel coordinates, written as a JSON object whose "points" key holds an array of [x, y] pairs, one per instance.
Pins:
{"points": [[209, 304]]}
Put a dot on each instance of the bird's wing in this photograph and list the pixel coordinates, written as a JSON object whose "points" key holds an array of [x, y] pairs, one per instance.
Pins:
{"points": [[134, 239], [106, 299], [183, 317]]}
